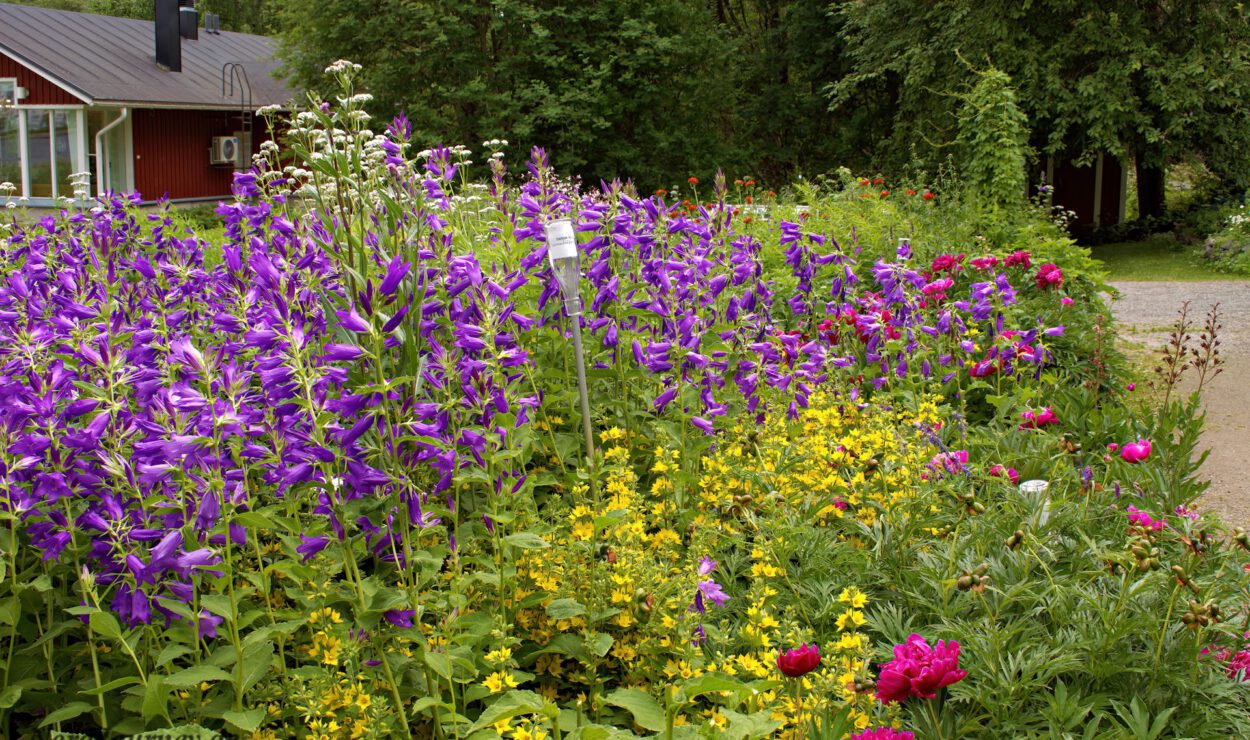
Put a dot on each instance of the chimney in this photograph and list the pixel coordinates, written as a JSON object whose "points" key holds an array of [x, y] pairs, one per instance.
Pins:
{"points": [[189, 23], [168, 36]]}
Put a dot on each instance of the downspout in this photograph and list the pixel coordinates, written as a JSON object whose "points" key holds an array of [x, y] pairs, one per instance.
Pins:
{"points": [[101, 153]]}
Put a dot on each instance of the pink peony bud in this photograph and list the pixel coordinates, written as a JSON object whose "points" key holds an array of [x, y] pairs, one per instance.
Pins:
{"points": [[1066, 301]]}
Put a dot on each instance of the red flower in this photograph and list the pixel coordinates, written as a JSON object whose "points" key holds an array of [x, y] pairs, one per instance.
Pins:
{"points": [[911, 191], [928, 195], [1043, 417], [919, 670], [1049, 276], [799, 661], [693, 181], [1019, 257], [885, 193], [661, 192], [865, 181], [878, 181]]}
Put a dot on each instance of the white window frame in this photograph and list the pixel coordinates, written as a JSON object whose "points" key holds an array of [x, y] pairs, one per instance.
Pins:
{"points": [[80, 163]]}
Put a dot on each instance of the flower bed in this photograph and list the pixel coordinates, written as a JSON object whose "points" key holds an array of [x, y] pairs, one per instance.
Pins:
{"points": [[332, 482]]}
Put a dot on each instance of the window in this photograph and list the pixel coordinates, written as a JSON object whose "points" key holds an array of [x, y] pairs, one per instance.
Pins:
{"points": [[40, 147], [10, 138]]}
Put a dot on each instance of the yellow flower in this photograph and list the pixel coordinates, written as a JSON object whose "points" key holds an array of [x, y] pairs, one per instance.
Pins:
{"points": [[853, 596], [498, 681], [850, 619]]}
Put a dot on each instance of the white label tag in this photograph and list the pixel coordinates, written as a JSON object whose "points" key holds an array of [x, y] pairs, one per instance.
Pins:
{"points": [[561, 242]]}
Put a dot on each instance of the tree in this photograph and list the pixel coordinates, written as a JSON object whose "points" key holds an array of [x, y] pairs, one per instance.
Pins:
{"points": [[612, 89], [1156, 81]]}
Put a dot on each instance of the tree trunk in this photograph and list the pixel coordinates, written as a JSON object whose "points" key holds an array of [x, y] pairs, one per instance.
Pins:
{"points": [[1151, 180]]}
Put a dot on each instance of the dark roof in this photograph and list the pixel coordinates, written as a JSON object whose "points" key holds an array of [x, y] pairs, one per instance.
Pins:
{"points": [[112, 61]]}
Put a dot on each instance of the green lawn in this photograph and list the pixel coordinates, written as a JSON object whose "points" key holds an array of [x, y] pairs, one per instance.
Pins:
{"points": [[1158, 258]]}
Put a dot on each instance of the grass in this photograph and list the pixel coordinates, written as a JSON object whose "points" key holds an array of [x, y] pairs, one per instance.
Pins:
{"points": [[1157, 258]]}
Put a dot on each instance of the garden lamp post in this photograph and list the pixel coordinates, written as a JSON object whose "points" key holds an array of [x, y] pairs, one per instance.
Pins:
{"points": [[562, 251]]}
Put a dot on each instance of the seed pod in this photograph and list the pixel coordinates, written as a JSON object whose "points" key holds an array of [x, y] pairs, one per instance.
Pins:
{"points": [[981, 569], [964, 582], [1015, 540]]}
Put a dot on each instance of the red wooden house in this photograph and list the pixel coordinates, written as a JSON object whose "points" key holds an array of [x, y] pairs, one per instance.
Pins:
{"points": [[163, 107]]}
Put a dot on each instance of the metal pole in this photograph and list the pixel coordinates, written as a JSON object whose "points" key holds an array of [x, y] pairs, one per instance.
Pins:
{"points": [[562, 252], [575, 316]]}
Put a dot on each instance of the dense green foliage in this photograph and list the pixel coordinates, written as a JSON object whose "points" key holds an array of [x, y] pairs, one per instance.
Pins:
{"points": [[1153, 80], [652, 90], [992, 137]]}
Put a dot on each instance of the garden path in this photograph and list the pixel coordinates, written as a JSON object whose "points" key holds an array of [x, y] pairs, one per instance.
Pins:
{"points": [[1146, 311]]}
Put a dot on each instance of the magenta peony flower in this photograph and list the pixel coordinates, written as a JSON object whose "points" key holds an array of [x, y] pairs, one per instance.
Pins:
{"points": [[1049, 276], [1143, 520], [1066, 301], [1135, 452], [884, 733], [919, 670], [1019, 259], [1037, 419], [1002, 471], [799, 661]]}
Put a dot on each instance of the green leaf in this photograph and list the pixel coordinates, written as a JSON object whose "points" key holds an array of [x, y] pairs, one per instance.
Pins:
{"points": [[67, 712], [600, 644], [256, 662], [565, 609], [247, 721], [440, 663], [9, 696], [170, 653], [709, 683], [217, 604], [646, 711], [509, 705], [749, 726], [112, 685], [527, 541], [182, 732], [155, 699], [106, 625], [10, 610], [196, 675]]}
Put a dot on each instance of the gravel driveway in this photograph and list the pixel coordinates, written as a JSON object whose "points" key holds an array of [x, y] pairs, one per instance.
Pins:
{"points": [[1147, 311]]}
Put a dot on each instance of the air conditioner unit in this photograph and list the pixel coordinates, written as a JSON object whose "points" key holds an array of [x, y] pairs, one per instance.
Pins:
{"points": [[225, 150]]}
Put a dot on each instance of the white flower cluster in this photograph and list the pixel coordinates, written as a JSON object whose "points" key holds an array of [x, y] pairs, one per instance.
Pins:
{"points": [[342, 66]]}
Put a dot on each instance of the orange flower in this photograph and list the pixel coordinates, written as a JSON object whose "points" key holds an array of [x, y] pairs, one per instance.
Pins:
{"points": [[750, 200], [661, 191], [910, 191], [864, 181]]}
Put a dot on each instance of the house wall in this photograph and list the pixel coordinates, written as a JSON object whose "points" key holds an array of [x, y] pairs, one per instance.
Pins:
{"points": [[171, 150], [41, 91]]}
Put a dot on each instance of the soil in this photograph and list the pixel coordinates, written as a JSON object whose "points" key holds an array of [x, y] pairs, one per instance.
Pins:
{"points": [[1146, 312]]}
